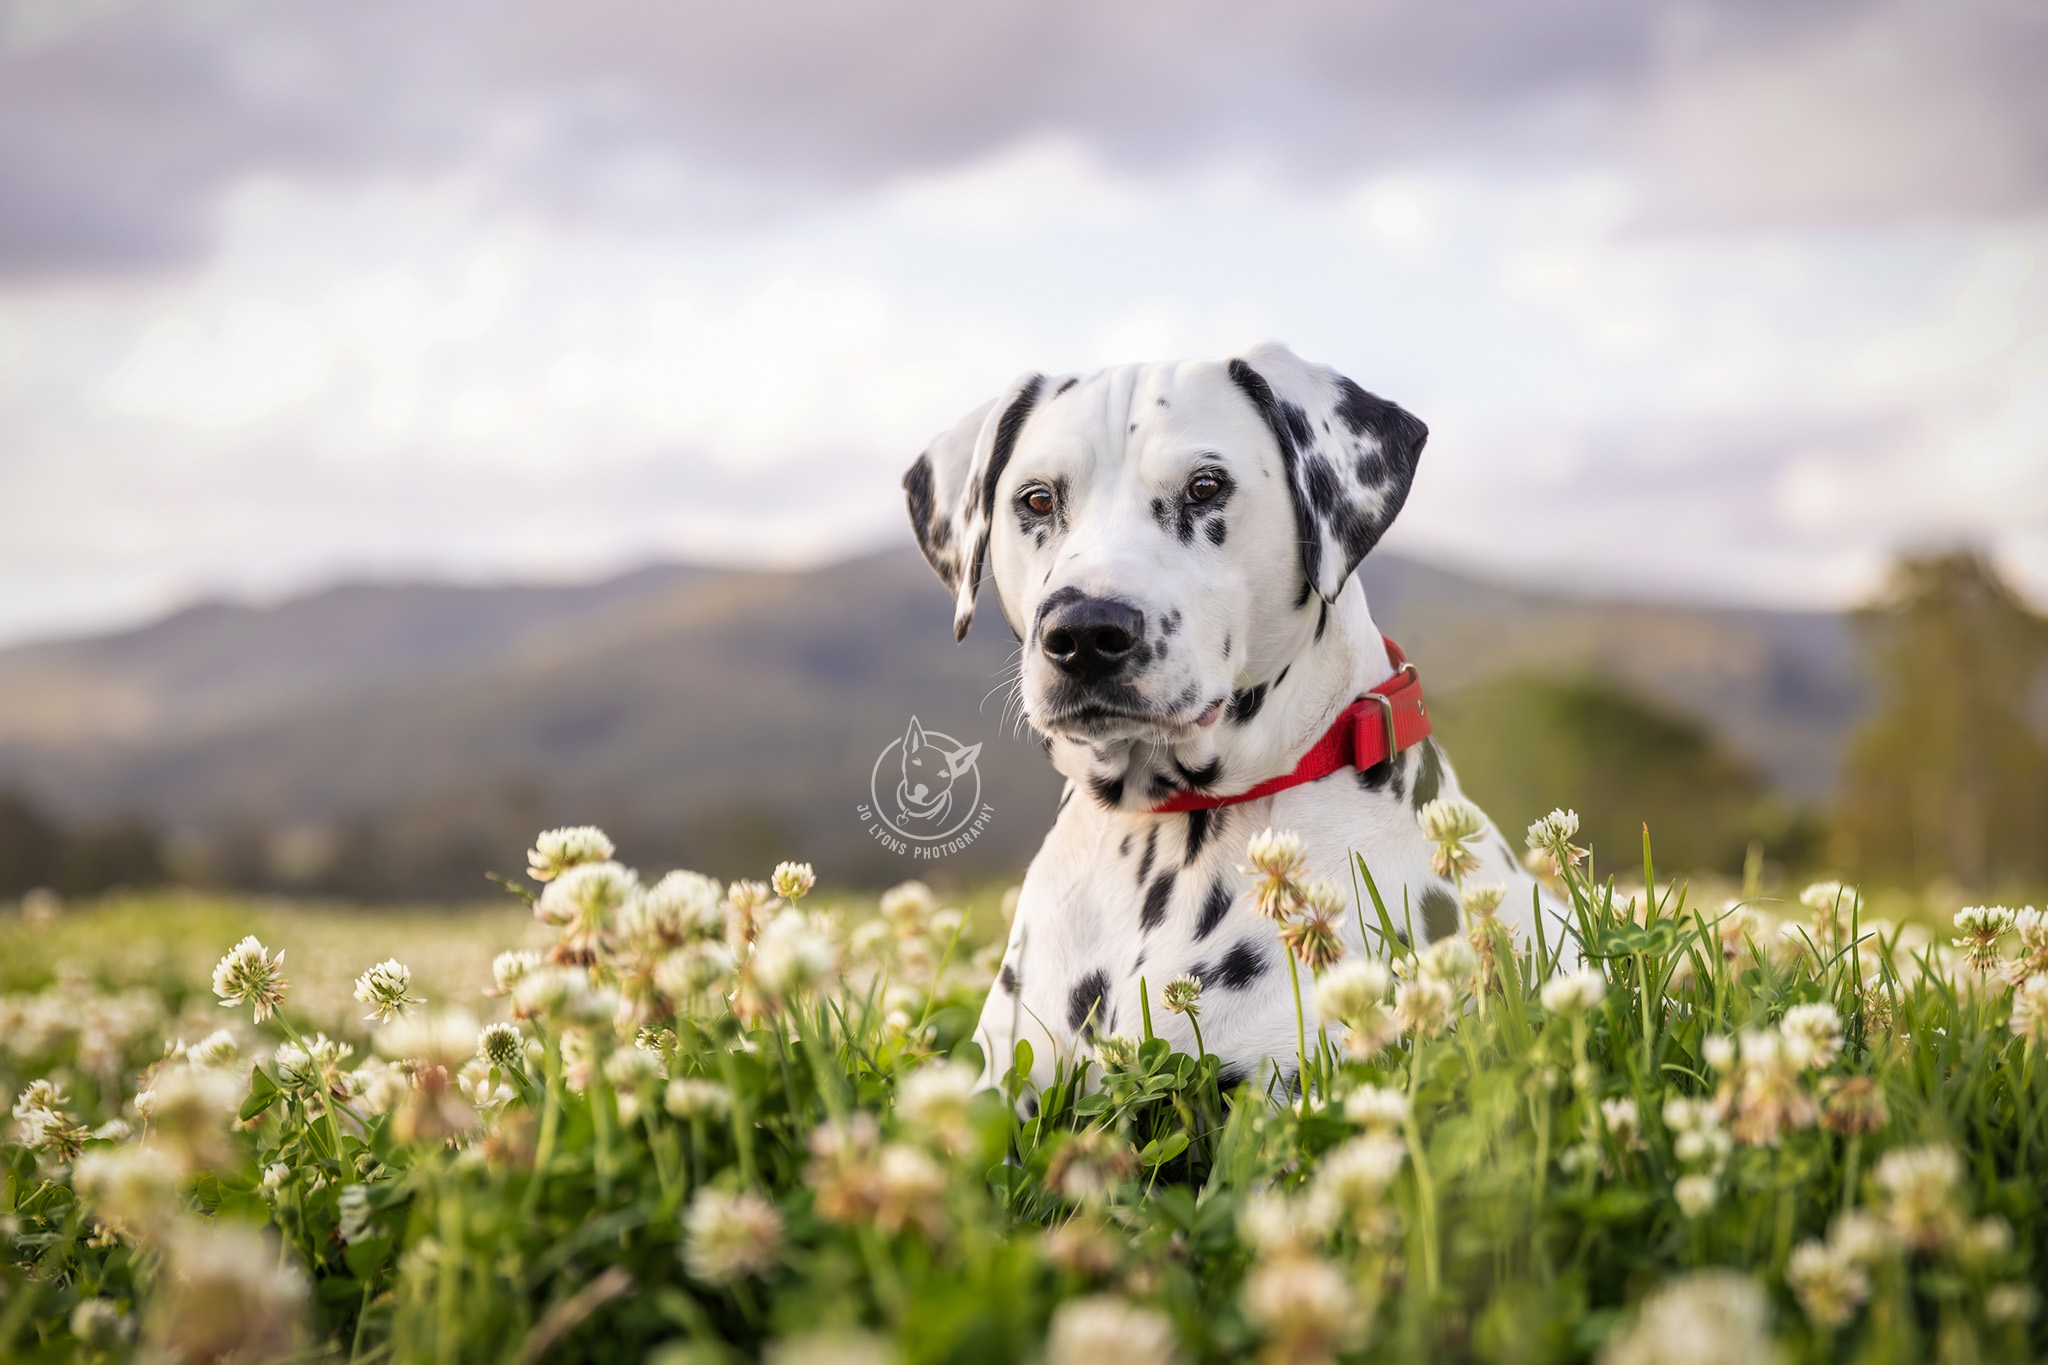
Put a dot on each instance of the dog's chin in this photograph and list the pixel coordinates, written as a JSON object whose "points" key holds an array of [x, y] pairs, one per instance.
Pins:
{"points": [[1105, 721]]}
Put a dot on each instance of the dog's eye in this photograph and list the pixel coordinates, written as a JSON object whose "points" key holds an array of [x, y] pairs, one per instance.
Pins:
{"points": [[1039, 500], [1203, 487]]}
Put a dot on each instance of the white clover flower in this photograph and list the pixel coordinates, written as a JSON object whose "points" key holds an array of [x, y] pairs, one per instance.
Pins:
{"points": [[218, 1048], [2011, 1302], [1117, 1052], [1622, 1120], [1710, 1317], [1718, 1051], [679, 907], [1574, 992], [1424, 1006], [1275, 1224], [908, 906], [792, 957], [132, 1187], [1813, 1033], [2030, 1010], [383, 1087], [1305, 1306], [474, 1080], [1695, 1194], [383, 988], [1829, 1286], [695, 1100], [632, 1067], [558, 850], [502, 1045], [225, 1295], [1980, 927], [1449, 960], [100, 1324], [508, 969], [1356, 1173], [1351, 988], [936, 1100], [1827, 898], [1552, 837], [1104, 1327], [585, 899], [1861, 1237], [1918, 1185], [729, 1237], [1275, 854], [447, 1039], [1183, 995], [1376, 1107], [701, 967], [1451, 823], [1482, 900], [792, 881], [249, 975]]}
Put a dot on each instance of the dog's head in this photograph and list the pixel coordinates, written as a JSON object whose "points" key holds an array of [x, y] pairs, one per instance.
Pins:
{"points": [[1159, 534]]}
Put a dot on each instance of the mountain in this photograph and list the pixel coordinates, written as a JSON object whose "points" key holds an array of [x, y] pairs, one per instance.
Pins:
{"points": [[396, 739]]}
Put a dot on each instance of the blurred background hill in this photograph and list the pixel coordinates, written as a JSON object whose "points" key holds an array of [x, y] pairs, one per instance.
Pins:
{"points": [[396, 739]]}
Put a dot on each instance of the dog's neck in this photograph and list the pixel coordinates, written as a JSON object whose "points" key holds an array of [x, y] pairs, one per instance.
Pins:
{"points": [[1276, 714]]}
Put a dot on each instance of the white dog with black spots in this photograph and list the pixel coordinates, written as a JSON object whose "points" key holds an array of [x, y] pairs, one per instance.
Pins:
{"points": [[1173, 544]]}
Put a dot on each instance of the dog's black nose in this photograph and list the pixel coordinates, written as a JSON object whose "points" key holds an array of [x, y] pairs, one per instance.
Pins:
{"points": [[1091, 638]]}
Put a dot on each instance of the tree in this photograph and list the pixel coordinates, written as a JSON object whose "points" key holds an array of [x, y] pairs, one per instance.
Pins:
{"points": [[1948, 779]]}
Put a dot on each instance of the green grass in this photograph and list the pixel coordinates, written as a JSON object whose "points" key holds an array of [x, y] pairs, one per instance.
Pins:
{"points": [[778, 1161]]}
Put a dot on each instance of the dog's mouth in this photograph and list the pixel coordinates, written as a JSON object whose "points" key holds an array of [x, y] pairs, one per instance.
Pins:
{"points": [[1103, 720]]}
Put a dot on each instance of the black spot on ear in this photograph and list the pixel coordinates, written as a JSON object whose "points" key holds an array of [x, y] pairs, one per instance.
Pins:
{"points": [[1198, 830], [1244, 705], [1065, 384], [1439, 914], [1008, 977], [1087, 1001], [1282, 426], [1214, 907], [933, 537], [1323, 492], [1429, 777], [1156, 900], [1322, 621], [1236, 969], [1217, 531], [1145, 863], [1008, 428], [1204, 776], [1231, 1077], [1108, 791]]}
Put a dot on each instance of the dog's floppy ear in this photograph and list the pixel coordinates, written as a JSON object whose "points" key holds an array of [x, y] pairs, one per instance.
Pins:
{"points": [[1350, 457], [952, 491]]}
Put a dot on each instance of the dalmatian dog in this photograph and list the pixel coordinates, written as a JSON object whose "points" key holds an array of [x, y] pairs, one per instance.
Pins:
{"points": [[1173, 546]]}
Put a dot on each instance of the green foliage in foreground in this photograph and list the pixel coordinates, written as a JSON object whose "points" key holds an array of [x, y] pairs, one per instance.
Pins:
{"points": [[717, 1126]]}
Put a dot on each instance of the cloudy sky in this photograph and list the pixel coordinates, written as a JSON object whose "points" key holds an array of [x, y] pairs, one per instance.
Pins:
{"points": [[1723, 301]]}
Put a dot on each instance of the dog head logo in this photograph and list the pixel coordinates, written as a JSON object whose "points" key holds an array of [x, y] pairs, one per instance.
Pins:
{"points": [[937, 787]]}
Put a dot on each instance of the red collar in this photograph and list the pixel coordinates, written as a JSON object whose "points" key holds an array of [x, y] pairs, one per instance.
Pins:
{"points": [[1380, 724]]}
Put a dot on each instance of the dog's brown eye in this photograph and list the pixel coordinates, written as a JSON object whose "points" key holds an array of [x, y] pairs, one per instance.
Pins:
{"points": [[1203, 487], [1039, 500]]}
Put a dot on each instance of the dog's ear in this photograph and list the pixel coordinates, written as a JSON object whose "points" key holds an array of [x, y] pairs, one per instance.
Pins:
{"points": [[1350, 457], [952, 491], [913, 738]]}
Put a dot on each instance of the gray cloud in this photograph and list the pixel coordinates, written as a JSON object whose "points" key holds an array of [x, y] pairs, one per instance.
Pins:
{"points": [[117, 137]]}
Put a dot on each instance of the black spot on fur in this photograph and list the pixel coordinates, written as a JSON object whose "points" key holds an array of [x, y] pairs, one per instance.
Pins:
{"points": [[1065, 384], [1031, 1106], [1204, 776], [1087, 1001], [1322, 621], [1236, 969], [1439, 914], [1156, 901], [1123, 850], [1160, 401], [1281, 425], [1282, 678], [1226, 646], [1400, 766], [1231, 1077], [1008, 976], [1170, 622], [1217, 531], [1008, 428], [1244, 705], [1214, 907], [932, 536], [1373, 778], [1041, 545], [1429, 776], [1108, 791], [1198, 830], [1145, 863], [1324, 494], [1301, 598]]}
